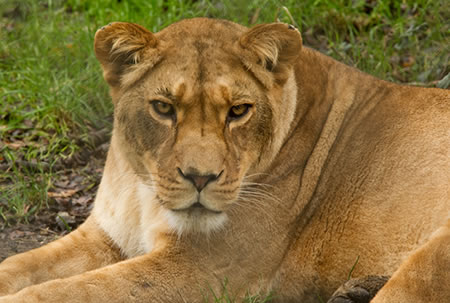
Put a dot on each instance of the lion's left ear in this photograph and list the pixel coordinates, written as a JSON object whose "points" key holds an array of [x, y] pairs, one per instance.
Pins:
{"points": [[125, 51], [270, 50]]}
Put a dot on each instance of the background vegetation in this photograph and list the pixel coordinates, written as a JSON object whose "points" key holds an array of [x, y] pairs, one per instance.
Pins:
{"points": [[55, 113]]}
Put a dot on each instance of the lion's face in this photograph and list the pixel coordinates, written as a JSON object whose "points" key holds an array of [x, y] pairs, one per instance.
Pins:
{"points": [[197, 120], [195, 136]]}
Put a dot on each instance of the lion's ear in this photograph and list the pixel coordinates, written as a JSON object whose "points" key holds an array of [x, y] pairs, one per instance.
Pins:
{"points": [[270, 50], [120, 46]]}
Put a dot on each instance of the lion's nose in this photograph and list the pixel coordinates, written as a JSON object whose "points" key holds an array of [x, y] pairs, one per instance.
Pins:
{"points": [[199, 181]]}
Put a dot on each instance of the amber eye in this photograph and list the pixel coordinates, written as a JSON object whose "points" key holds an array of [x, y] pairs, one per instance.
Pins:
{"points": [[164, 109], [238, 111]]}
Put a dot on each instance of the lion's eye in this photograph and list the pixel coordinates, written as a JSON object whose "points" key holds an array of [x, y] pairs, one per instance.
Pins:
{"points": [[238, 111], [164, 109]]}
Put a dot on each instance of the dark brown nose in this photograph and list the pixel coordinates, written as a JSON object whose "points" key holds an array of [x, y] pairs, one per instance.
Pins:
{"points": [[199, 181]]}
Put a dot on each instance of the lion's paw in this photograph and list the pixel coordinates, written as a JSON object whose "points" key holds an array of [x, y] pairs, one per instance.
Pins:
{"points": [[360, 290]]}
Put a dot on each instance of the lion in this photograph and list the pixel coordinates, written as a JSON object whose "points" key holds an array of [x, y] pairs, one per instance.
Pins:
{"points": [[241, 159]]}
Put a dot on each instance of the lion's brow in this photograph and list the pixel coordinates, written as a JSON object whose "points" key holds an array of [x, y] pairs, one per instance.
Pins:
{"points": [[164, 91], [238, 96]]}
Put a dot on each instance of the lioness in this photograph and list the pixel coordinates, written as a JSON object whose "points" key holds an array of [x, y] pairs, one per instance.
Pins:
{"points": [[239, 155]]}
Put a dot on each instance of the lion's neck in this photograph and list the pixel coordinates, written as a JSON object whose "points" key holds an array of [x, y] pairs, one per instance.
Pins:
{"points": [[325, 94]]}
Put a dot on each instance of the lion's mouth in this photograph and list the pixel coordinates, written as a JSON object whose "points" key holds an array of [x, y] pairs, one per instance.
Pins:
{"points": [[197, 207]]}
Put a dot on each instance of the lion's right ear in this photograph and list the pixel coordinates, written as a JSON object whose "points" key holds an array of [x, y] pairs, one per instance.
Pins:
{"points": [[125, 51], [270, 51]]}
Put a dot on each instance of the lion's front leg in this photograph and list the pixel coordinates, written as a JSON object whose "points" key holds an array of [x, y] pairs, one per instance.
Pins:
{"points": [[155, 277], [424, 277], [85, 249]]}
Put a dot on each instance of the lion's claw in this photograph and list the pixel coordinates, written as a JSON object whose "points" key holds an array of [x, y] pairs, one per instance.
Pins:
{"points": [[358, 290]]}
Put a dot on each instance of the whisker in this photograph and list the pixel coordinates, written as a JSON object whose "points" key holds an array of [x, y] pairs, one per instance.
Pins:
{"points": [[247, 183], [254, 206], [256, 174], [258, 193]]}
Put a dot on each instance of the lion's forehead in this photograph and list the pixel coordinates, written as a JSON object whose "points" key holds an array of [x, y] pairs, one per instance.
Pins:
{"points": [[199, 61], [200, 66], [222, 90], [189, 81], [203, 63]]}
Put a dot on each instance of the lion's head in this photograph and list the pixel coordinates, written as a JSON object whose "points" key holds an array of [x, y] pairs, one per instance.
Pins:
{"points": [[200, 107]]}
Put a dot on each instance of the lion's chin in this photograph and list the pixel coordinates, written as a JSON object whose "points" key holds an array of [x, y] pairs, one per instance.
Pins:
{"points": [[195, 220]]}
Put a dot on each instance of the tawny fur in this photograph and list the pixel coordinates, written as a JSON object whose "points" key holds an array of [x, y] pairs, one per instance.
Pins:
{"points": [[329, 165]]}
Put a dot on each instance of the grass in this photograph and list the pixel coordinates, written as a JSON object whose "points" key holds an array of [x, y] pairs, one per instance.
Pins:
{"points": [[225, 296]]}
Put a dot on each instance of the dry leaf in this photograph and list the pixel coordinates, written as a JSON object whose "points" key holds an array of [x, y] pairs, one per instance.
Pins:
{"points": [[63, 194]]}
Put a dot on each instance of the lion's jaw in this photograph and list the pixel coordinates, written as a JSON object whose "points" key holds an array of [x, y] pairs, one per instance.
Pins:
{"points": [[195, 220]]}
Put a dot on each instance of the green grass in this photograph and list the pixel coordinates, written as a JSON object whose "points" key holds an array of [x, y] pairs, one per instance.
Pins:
{"points": [[225, 296], [52, 94]]}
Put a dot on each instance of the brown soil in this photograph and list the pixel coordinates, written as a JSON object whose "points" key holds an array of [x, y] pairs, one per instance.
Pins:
{"points": [[23, 237], [70, 201]]}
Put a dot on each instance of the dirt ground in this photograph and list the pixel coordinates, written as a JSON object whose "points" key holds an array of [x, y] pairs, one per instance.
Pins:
{"points": [[45, 227], [24, 237], [70, 201]]}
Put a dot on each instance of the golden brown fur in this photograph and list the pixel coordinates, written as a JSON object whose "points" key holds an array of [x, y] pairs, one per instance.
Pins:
{"points": [[238, 154]]}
